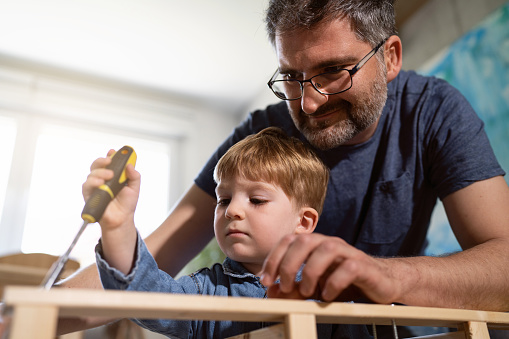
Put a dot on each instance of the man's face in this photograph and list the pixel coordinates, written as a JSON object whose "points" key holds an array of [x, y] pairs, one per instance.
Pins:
{"points": [[328, 121]]}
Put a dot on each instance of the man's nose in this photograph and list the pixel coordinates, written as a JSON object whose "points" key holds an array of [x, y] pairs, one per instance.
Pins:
{"points": [[311, 99]]}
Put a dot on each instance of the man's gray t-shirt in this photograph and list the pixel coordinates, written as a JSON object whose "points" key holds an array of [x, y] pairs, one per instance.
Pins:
{"points": [[428, 144]]}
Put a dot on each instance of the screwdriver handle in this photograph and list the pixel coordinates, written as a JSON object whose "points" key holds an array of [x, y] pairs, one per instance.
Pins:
{"points": [[101, 197]]}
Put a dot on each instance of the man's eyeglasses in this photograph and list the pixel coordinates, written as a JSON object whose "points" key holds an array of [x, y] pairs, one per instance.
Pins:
{"points": [[329, 83]]}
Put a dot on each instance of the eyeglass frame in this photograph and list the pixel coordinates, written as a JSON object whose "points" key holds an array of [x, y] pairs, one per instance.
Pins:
{"points": [[351, 72]]}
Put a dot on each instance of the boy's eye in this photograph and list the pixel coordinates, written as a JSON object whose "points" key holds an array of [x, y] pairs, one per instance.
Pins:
{"points": [[223, 202], [256, 201]]}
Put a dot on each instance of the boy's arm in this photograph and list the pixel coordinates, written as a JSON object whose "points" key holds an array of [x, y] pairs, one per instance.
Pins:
{"points": [[118, 232], [188, 228]]}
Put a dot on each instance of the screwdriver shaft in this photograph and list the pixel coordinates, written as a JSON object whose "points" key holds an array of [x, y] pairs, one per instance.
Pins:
{"points": [[57, 267]]}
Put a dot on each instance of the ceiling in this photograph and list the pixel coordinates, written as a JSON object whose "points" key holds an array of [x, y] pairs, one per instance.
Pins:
{"points": [[211, 51], [405, 9]]}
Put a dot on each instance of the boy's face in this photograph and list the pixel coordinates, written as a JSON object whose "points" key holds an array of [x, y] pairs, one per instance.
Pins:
{"points": [[250, 218]]}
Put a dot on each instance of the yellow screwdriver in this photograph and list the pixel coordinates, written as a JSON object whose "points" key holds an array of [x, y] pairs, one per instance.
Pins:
{"points": [[95, 206]]}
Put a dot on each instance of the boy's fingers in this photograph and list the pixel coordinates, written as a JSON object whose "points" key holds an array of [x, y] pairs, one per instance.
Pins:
{"points": [[133, 177], [100, 163]]}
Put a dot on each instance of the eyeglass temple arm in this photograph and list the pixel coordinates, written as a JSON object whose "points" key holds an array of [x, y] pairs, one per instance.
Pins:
{"points": [[274, 75], [367, 57]]}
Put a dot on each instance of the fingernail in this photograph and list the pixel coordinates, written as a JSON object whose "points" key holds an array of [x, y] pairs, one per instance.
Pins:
{"points": [[325, 294], [262, 279], [304, 290]]}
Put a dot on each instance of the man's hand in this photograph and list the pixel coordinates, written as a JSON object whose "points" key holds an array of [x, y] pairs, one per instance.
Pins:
{"points": [[334, 270]]}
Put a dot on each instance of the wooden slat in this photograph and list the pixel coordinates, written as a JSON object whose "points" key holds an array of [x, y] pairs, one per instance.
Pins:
{"points": [[272, 332], [450, 335], [301, 326], [79, 302], [34, 322], [477, 330], [74, 335]]}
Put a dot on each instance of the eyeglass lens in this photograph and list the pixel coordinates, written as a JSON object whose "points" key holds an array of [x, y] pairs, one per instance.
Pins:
{"points": [[326, 83]]}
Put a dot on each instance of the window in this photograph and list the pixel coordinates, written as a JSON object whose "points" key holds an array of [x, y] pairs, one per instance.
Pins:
{"points": [[62, 160], [7, 139], [54, 124]]}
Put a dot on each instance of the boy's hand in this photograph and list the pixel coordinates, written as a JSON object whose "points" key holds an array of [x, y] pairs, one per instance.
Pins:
{"points": [[117, 223], [120, 210]]}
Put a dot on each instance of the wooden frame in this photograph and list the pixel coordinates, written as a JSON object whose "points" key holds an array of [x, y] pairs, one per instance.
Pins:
{"points": [[35, 312]]}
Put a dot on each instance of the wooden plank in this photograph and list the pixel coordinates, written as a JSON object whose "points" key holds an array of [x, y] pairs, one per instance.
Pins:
{"points": [[25, 275], [15, 274], [301, 326], [272, 332], [74, 335], [450, 335], [79, 302], [476, 330], [34, 322]]}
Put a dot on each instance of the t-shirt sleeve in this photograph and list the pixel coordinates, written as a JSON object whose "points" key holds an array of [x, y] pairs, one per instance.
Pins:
{"points": [[458, 150]]}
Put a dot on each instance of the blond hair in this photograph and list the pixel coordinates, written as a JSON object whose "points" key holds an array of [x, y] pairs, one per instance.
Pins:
{"points": [[273, 157]]}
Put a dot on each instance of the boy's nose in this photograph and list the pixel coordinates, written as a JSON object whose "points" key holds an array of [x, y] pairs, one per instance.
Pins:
{"points": [[234, 211]]}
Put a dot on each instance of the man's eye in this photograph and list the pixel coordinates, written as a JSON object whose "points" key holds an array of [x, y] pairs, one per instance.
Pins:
{"points": [[223, 202], [333, 69], [289, 76], [256, 201]]}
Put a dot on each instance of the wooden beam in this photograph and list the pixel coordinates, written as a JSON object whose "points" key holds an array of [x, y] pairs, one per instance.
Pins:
{"points": [[298, 316], [34, 322], [476, 330], [271, 332]]}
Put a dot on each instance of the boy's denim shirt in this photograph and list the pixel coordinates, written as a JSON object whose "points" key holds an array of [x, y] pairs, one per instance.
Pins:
{"points": [[229, 279]]}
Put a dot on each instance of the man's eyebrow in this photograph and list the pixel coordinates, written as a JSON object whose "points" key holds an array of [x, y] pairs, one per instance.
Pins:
{"points": [[343, 61]]}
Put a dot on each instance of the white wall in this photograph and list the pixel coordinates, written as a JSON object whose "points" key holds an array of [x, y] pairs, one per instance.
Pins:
{"points": [[438, 24]]}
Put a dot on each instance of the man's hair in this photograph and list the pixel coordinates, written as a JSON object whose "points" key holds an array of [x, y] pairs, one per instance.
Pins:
{"points": [[371, 20], [273, 157]]}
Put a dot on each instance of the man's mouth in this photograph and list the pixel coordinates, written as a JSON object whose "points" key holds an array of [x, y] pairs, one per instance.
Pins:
{"points": [[320, 115]]}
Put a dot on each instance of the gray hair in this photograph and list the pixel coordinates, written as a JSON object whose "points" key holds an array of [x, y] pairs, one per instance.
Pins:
{"points": [[372, 20]]}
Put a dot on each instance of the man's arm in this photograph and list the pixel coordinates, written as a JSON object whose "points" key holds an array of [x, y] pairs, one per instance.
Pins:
{"points": [[188, 228], [186, 231], [474, 278]]}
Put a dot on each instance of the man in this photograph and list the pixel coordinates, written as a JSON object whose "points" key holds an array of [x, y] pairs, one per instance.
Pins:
{"points": [[394, 142]]}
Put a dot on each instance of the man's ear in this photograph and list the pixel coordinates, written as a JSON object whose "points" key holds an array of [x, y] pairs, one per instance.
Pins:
{"points": [[308, 220], [393, 57]]}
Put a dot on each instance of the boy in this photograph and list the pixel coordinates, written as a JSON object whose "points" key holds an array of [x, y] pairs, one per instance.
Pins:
{"points": [[268, 186]]}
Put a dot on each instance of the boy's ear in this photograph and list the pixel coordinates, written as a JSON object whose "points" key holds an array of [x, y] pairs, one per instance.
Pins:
{"points": [[308, 220]]}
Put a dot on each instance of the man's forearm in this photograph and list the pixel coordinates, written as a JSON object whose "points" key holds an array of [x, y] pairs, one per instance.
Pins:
{"points": [[85, 278], [472, 279], [186, 231]]}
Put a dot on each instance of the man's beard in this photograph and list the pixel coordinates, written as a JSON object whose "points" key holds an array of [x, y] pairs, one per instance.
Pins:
{"points": [[324, 136]]}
